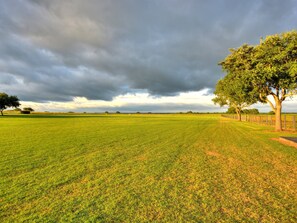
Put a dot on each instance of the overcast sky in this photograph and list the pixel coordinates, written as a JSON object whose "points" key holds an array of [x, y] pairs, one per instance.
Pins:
{"points": [[129, 55]]}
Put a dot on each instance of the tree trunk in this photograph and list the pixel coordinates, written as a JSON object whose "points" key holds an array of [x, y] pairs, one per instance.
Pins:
{"points": [[238, 114], [278, 117], [1, 112]]}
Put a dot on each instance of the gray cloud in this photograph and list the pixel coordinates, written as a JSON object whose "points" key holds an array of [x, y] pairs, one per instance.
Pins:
{"points": [[55, 50]]}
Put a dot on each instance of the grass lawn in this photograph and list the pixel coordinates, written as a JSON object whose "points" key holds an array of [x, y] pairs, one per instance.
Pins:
{"points": [[144, 168]]}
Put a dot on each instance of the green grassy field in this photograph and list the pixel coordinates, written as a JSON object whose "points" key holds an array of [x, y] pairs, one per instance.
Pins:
{"points": [[144, 168]]}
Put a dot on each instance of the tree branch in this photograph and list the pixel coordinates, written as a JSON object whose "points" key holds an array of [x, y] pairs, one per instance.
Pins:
{"points": [[283, 97], [271, 105], [261, 97]]}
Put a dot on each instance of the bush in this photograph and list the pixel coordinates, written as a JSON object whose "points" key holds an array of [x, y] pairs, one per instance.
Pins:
{"points": [[250, 111], [26, 112], [271, 113]]}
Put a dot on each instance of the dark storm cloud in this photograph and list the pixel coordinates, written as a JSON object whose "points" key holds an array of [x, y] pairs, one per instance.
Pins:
{"points": [[55, 50]]}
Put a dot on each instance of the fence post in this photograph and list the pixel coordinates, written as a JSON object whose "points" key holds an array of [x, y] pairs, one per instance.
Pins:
{"points": [[285, 127], [294, 123]]}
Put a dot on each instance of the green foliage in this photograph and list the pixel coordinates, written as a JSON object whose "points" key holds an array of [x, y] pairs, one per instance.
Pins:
{"points": [[7, 101], [274, 66], [28, 109], [231, 110], [271, 113], [267, 69], [143, 168], [235, 92], [253, 111]]}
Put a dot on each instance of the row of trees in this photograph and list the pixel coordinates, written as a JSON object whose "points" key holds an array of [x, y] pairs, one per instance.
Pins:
{"points": [[232, 110], [265, 73]]}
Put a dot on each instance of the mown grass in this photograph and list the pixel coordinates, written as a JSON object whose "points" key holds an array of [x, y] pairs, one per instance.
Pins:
{"points": [[144, 168]]}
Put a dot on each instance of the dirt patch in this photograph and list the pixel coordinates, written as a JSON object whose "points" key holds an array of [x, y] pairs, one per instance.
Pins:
{"points": [[141, 158], [287, 141], [212, 153]]}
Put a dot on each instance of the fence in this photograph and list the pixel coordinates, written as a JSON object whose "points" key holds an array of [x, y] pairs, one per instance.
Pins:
{"points": [[288, 121]]}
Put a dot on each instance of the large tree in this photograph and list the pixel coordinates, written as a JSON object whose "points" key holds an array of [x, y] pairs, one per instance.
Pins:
{"points": [[270, 68], [236, 89], [274, 71], [7, 101]]}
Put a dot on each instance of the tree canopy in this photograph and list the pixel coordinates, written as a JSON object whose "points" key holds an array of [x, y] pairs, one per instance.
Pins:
{"points": [[7, 101], [275, 70]]}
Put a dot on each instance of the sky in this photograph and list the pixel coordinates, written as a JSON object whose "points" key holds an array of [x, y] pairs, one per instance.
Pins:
{"points": [[129, 55]]}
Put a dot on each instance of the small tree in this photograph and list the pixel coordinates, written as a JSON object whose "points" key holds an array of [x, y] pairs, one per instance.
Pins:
{"points": [[7, 101], [235, 89], [234, 92]]}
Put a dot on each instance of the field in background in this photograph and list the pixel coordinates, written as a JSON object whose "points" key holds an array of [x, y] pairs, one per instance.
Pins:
{"points": [[136, 168]]}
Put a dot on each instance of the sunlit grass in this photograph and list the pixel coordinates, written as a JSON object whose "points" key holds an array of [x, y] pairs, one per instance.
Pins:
{"points": [[144, 168]]}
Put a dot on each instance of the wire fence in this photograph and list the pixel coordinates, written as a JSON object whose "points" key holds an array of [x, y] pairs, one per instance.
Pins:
{"points": [[288, 121]]}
